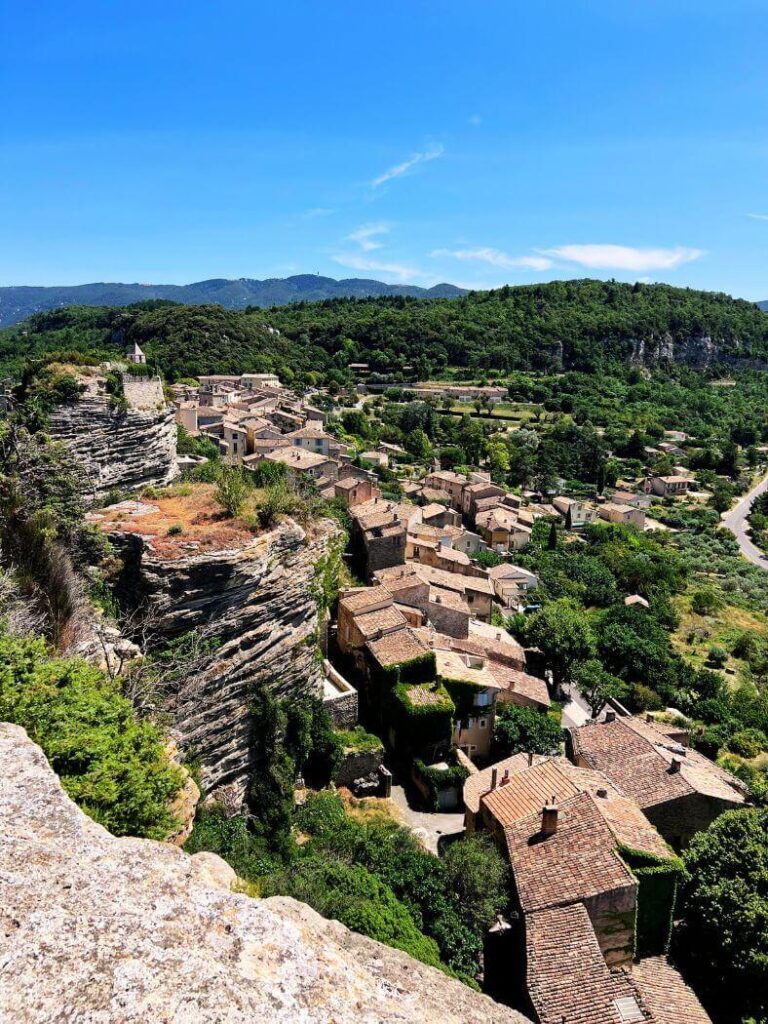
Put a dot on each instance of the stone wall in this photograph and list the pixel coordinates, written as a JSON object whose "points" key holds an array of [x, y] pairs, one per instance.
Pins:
{"points": [[129, 931], [357, 764], [119, 449], [257, 600]]}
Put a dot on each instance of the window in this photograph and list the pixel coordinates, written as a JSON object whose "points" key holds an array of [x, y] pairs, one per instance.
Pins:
{"points": [[483, 723]]}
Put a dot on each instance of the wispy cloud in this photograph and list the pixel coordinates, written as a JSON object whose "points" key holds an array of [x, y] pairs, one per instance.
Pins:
{"points": [[397, 270], [496, 258], [758, 216], [400, 169], [475, 119], [367, 236], [623, 257], [318, 211]]}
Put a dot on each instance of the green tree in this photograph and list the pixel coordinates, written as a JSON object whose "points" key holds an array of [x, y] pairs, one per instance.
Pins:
{"points": [[562, 632], [596, 685], [479, 877], [724, 902], [519, 729]]}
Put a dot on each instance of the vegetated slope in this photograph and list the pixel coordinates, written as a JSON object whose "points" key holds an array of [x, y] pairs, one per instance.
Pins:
{"points": [[591, 326], [17, 303], [581, 325]]}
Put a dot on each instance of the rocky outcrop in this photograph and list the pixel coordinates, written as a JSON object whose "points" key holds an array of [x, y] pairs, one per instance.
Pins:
{"points": [[254, 596], [102, 930], [698, 351], [119, 447]]}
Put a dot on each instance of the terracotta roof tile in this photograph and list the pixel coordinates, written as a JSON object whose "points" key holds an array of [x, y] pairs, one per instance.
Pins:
{"points": [[664, 994]]}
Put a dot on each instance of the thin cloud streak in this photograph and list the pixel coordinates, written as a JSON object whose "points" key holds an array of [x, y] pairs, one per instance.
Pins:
{"points": [[623, 257], [366, 236], [400, 169], [758, 216], [496, 258], [400, 271]]}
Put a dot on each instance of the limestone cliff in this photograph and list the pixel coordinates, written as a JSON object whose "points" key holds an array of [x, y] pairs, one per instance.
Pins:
{"points": [[253, 594], [102, 930], [122, 448]]}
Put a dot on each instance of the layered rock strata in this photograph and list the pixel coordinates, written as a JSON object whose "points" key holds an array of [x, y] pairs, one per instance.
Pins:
{"points": [[254, 597], [118, 448]]}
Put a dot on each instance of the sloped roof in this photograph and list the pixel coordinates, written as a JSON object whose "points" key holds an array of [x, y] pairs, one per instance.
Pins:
{"points": [[638, 758]]}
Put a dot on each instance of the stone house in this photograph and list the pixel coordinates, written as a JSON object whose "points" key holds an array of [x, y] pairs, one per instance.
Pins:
{"points": [[667, 486], [438, 515], [680, 790], [378, 535], [185, 413], [477, 591], [312, 438], [575, 513], [298, 462], [354, 492], [452, 484], [511, 584], [502, 529], [473, 729], [626, 515], [578, 849], [475, 492]]}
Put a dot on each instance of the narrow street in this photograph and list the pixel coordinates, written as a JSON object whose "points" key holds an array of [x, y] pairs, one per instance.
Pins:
{"points": [[736, 522]]}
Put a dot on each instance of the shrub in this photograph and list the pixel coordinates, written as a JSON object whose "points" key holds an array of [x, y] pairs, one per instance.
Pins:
{"points": [[175, 530], [232, 490], [706, 602], [717, 656], [112, 764], [748, 742]]}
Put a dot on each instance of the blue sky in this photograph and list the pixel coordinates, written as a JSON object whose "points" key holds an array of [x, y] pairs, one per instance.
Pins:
{"points": [[478, 143]]}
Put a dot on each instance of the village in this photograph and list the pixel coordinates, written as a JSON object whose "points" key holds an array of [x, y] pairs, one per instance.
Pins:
{"points": [[418, 654]]}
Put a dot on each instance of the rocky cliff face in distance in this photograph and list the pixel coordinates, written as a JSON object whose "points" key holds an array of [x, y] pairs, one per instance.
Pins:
{"points": [[122, 445], [129, 931], [254, 595]]}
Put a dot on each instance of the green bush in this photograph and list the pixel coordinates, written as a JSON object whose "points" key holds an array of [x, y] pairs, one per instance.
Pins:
{"points": [[232, 489], [360, 900], [748, 742], [111, 764]]}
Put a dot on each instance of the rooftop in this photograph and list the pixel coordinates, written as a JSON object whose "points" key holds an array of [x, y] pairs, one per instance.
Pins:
{"points": [[396, 648], [638, 757]]}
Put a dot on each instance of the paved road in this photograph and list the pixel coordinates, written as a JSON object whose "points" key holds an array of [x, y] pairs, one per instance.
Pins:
{"points": [[736, 522]]}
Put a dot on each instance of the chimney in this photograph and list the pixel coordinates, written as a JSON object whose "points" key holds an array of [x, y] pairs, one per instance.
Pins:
{"points": [[494, 777], [505, 777], [649, 717], [675, 766], [610, 715], [549, 818], [530, 759]]}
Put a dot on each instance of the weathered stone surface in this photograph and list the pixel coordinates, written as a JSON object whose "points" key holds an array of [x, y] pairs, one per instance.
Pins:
{"points": [[257, 599], [101, 930], [119, 449]]}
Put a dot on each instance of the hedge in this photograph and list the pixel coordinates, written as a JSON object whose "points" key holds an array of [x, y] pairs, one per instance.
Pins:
{"points": [[419, 726]]}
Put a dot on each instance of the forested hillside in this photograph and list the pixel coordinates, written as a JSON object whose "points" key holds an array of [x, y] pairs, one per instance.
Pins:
{"points": [[592, 326], [19, 302]]}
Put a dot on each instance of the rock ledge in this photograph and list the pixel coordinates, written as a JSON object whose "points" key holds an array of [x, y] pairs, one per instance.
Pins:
{"points": [[96, 929]]}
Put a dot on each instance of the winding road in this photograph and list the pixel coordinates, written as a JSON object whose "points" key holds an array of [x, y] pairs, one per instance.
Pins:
{"points": [[736, 522]]}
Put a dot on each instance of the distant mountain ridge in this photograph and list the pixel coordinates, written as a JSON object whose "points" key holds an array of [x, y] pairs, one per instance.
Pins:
{"points": [[19, 302]]}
